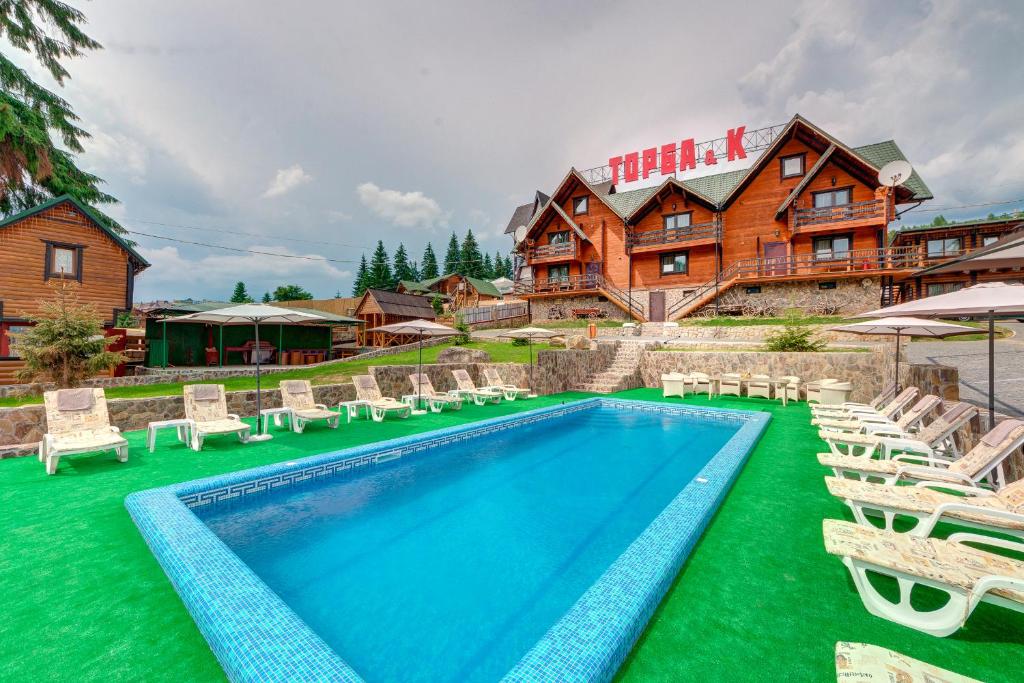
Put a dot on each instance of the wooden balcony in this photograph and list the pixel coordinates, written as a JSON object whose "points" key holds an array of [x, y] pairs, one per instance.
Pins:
{"points": [[660, 240], [850, 263], [857, 214], [558, 285], [548, 253]]}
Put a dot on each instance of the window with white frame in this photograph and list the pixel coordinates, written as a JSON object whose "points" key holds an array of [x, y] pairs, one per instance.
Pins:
{"points": [[941, 248], [676, 263], [677, 221]]}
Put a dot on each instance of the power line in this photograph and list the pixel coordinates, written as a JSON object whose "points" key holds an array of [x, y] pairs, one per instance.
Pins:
{"points": [[967, 206], [242, 251], [247, 234]]}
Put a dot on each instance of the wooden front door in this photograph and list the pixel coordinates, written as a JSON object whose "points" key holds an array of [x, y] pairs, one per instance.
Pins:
{"points": [[593, 272], [657, 301], [775, 258]]}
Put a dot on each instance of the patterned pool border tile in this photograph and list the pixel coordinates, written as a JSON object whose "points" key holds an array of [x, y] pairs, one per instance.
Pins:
{"points": [[257, 637]]}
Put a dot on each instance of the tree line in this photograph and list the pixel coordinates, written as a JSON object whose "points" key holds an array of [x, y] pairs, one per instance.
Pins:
{"points": [[465, 258]]}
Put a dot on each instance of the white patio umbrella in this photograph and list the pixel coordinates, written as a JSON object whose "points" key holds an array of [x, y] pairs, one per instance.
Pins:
{"points": [[251, 314], [529, 334], [421, 328], [912, 327], [990, 299]]}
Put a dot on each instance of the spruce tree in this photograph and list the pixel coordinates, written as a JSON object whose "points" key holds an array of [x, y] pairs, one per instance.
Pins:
{"points": [[362, 276], [472, 259], [380, 276], [33, 166], [428, 270], [499, 266], [487, 268], [403, 270], [453, 259], [240, 296]]}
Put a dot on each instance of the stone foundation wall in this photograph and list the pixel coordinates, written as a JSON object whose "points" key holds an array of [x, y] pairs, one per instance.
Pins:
{"points": [[21, 428], [547, 309], [940, 380], [560, 370], [865, 370], [755, 333], [851, 295]]}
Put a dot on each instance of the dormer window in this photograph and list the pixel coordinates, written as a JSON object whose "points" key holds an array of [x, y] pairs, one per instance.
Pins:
{"points": [[792, 166], [579, 205], [63, 261]]}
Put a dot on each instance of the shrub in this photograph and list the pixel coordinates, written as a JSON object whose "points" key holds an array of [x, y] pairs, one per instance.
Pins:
{"points": [[66, 345], [438, 303], [794, 337], [520, 341], [463, 338]]}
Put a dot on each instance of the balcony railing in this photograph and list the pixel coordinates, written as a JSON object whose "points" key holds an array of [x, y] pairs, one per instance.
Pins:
{"points": [[873, 208], [590, 282], [668, 236], [560, 251]]}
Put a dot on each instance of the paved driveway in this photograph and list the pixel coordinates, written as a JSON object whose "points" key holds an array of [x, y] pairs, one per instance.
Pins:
{"points": [[971, 358]]}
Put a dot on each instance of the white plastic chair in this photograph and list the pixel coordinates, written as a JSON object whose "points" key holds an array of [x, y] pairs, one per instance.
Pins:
{"points": [[731, 384], [760, 386]]}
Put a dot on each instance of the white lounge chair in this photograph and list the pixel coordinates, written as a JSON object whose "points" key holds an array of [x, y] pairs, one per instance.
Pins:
{"points": [[380, 406], [466, 387], [510, 391], [937, 439], [206, 406], [890, 411], [297, 395], [77, 421], [929, 503], [872, 664], [982, 464], [967, 574], [730, 384], [908, 423], [760, 386], [423, 389], [676, 384]]}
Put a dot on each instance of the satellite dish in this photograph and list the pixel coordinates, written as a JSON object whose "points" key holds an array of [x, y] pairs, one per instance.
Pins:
{"points": [[520, 233], [895, 173]]}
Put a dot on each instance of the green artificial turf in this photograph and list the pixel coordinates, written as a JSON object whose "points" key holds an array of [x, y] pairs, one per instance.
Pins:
{"points": [[84, 600]]}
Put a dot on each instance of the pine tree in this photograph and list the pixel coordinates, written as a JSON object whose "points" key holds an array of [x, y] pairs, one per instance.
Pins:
{"points": [[402, 268], [380, 276], [472, 259], [266, 297], [240, 296], [428, 270], [33, 168], [415, 271], [487, 268], [499, 266], [453, 259], [362, 277]]}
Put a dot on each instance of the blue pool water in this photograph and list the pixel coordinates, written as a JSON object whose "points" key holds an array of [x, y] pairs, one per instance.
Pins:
{"points": [[451, 564]]}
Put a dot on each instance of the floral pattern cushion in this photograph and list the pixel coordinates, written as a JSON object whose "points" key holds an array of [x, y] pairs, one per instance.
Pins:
{"points": [[870, 663]]}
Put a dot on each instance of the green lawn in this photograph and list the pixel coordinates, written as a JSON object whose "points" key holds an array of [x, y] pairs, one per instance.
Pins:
{"points": [[501, 352], [759, 599]]}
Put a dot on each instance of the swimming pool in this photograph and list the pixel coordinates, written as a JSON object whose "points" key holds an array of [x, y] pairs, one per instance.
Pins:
{"points": [[533, 546]]}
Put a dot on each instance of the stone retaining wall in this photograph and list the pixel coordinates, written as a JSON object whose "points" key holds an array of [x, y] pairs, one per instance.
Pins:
{"points": [[560, 370], [393, 380], [865, 370], [757, 333]]}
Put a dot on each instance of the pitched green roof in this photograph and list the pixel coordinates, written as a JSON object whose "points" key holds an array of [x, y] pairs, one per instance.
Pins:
{"points": [[881, 153], [87, 211], [485, 287], [413, 286], [625, 203]]}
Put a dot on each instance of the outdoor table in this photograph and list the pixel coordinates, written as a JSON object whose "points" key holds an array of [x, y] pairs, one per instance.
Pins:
{"points": [[351, 409], [184, 427], [779, 385], [714, 384], [279, 414]]}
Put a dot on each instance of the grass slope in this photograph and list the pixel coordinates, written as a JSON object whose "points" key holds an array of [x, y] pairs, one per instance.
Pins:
{"points": [[501, 352], [84, 600]]}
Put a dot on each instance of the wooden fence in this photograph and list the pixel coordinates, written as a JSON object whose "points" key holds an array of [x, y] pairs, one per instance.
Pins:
{"points": [[492, 314]]}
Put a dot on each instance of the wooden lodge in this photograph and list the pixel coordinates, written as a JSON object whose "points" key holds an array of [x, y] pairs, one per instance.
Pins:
{"points": [[457, 291], [60, 241], [806, 222], [379, 307]]}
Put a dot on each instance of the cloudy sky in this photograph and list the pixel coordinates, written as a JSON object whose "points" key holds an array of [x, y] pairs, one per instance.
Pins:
{"points": [[321, 127]]}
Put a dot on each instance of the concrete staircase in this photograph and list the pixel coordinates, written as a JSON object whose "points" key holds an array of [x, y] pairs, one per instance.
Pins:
{"points": [[623, 373]]}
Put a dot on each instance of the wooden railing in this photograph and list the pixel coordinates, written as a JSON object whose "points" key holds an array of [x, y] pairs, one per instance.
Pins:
{"points": [[873, 208], [561, 250], [580, 283], [488, 314], [699, 231], [854, 261]]}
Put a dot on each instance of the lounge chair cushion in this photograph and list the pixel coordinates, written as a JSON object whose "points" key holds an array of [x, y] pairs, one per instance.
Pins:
{"points": [[75, 399], [225, 426], [296, 386], [933, 559], [1002, 430], [922, 500], [871, 664], [98, 439], [206, 392]]}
